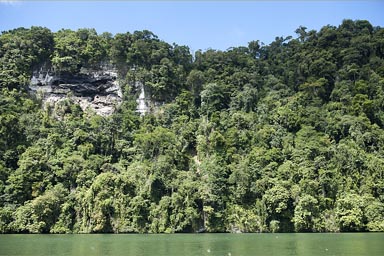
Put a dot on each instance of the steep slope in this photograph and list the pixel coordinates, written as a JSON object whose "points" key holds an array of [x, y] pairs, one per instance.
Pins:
{"points": [[285, 137]]}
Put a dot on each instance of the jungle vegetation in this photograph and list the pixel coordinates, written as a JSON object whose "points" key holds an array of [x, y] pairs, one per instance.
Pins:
{"points": [[285, 137]]}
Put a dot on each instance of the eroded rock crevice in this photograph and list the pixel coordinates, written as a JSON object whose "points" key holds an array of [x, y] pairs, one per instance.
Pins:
{"points": [[94, 90]]}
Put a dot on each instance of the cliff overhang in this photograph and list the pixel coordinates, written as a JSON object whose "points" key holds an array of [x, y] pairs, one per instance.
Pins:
{"points": [[97, 91]]}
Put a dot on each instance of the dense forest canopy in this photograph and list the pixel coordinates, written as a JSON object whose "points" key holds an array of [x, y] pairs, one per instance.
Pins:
{"points": [[260, 138]]}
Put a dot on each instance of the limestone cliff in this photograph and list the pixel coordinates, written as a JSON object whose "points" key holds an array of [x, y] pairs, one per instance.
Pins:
{"points": [[143, 103], [93, 90]]}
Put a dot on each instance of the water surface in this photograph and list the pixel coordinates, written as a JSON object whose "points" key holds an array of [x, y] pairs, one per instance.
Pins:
{"points": [[348, 244]]}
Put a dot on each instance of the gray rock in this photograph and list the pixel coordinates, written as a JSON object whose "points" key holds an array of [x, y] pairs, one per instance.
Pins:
{"points": [[97, 91]]}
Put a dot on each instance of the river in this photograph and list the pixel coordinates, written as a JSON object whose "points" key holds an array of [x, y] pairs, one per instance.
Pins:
{"points": [[348, 244]]}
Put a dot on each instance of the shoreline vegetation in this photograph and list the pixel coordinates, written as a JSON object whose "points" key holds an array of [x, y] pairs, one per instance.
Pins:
{"points": [[285, 137]]}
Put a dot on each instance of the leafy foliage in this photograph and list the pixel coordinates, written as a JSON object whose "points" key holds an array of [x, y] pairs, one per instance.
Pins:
{"points": [[263, 138]]}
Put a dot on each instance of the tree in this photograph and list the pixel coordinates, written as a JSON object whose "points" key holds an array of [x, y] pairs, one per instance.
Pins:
{"points": [[301, 33], [214, 97], [305, 214], [259, 138], [40, 214]]}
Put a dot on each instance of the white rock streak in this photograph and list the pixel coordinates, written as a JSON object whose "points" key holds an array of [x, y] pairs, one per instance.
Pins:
{"points": [[142, 106]]}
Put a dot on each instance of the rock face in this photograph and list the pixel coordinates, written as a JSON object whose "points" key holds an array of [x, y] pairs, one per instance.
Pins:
{"points": [[98, 91], [142, 101]]}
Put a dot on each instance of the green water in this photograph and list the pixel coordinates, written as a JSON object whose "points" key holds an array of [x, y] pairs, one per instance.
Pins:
{"points": [[350, 244]]}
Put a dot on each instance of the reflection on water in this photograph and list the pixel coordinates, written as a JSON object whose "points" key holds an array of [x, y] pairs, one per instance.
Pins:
{"points": [[195, 244]]}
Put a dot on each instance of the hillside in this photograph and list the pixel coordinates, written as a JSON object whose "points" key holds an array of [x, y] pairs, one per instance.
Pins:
{"points": [[285, 137]]}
